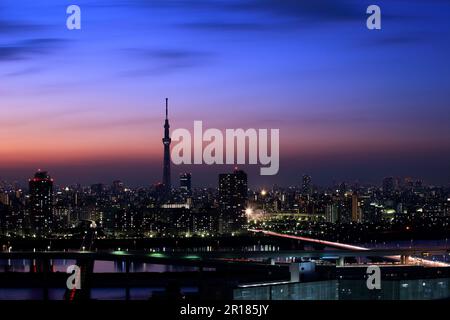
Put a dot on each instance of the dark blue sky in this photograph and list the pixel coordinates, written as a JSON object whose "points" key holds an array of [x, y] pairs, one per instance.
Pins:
{"points": [[350, 103]]}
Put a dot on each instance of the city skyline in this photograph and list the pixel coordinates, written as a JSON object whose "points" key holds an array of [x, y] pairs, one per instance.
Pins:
{"points": [[46, 209], [386, 116], [179, 182]]}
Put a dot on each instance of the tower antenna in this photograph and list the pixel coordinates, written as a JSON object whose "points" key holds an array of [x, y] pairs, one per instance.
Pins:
{"points": [[167, 107]]}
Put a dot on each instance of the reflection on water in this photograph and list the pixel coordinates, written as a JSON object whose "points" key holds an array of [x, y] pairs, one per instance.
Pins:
{"points": [[114, 266], [96, 293], [21, 294], [60, 265], [16, 265]]}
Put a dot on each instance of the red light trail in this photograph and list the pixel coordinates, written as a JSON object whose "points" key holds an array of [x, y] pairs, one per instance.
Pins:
{"points": [[323, 242]]}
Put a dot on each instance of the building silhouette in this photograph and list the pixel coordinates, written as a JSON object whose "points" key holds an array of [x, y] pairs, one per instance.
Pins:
{"points": [[306, 186], [388, 186], [41, 203], [232, 201], [117, 187], [356, 210]]}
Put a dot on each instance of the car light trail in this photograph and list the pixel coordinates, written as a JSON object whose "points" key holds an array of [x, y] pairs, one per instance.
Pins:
{"points": [[323, 242], [413, 260]]}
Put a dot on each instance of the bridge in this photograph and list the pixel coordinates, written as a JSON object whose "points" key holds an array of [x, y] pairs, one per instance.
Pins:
{"points": [[218, 257], [214, 258], [403, 256]]}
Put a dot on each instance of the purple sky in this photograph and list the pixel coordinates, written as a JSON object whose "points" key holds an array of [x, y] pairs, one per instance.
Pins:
{"points": [[351, 104]]}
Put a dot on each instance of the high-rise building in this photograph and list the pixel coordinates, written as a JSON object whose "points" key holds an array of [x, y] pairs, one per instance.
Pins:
{"points": [[232, 201], [185, 183], [166, 142], [41, 202], [388, 186], [356, 210], [332, 213], [306, 186], [4, 198]]}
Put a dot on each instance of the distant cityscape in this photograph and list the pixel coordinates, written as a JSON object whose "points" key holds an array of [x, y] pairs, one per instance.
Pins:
{"points": [[48, 210], [343, 212]]}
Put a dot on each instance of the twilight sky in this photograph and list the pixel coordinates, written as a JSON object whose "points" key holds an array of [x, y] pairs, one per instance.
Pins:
{"points": [[350, 103]]}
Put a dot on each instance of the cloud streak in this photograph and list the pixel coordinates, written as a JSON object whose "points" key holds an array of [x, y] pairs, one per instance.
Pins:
{"points": [[28, 48], [164, 61]]}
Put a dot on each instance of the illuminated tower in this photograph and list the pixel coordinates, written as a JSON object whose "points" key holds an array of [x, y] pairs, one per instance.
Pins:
{"points": [[166, 142]]}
